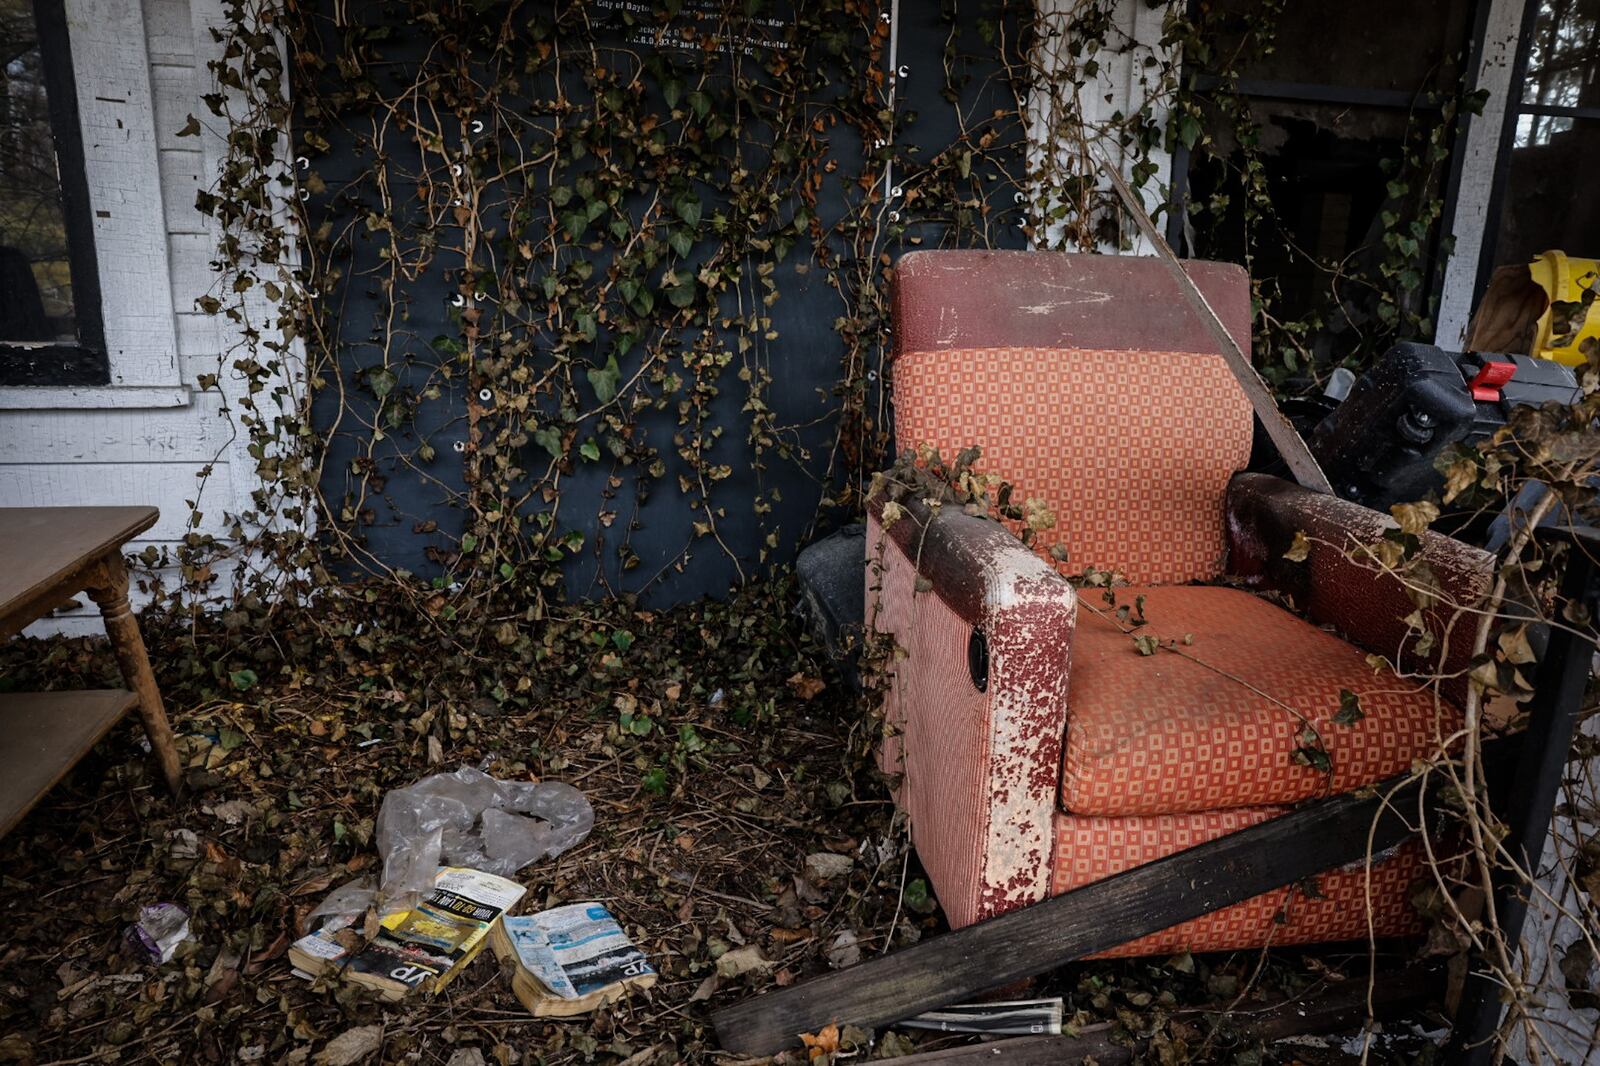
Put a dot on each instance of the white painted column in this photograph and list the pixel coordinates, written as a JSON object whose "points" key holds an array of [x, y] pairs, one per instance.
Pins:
{"points": [[1480, 151], [1075, 109], [1561, 916]]}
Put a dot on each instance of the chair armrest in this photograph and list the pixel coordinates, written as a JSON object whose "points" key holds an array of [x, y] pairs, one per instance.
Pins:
{"points": [[975, 702], [1368, 606]]}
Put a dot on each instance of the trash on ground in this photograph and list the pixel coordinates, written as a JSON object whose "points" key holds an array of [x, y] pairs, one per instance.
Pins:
{"points": [[825, 865], [469, 819], [845, 950], [333, 939], [748, 959], [424, 947], [160, 928], [1023, 1017], [351, 1046], [570, 960]]}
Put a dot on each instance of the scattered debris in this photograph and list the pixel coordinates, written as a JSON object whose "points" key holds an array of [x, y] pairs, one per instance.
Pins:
{"points": [[160, 928], [748, 959], [825, 865], [1023, 1017], [183, 844], [845, 950], [351, 1046]]}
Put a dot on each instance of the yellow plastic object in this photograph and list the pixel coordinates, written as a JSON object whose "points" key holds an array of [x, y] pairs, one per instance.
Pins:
{"points": [[1565, 279]]}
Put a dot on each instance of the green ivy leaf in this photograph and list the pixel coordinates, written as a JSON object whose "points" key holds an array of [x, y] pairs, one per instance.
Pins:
{"points": [[381, 381], [1350, 711], [605, 379], [243, 680], [919, 898], [681, 293], [1315, 758], [688, 208], [550, 439], [590, 450], [680, 241], [1189, 130]]}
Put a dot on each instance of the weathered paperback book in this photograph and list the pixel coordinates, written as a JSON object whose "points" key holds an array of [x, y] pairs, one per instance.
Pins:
{"points": [[422, 948], [570, 960], [325, 947]]}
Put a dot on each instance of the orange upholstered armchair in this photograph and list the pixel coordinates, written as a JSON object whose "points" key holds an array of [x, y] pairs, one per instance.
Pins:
{"points": [[1041, 746]]}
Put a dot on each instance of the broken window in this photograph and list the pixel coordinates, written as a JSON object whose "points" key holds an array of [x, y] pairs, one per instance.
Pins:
{"points": [[49, 315], [1323, 164], [1552, 137]]}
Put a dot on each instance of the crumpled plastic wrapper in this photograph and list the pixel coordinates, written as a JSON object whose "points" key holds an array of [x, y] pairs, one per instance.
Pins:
{"points": [[158, 932], [468, 818]]}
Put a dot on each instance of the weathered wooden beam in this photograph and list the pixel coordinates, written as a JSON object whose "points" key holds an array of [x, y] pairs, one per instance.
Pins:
{"points": [[968, 962], [1291, 446]]}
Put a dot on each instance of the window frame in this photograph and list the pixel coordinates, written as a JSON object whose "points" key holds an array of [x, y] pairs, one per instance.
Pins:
{"points": [[1515, 109], [84, 361], [116, 118], [1352, 96]]}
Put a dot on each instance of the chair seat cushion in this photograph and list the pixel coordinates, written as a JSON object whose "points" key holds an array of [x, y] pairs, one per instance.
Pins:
{"points": [[1332, 906], [1236, 708]]}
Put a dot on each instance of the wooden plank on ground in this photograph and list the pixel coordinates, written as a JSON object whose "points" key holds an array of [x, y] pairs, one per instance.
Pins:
{"points": [[45, 733], [965, 963]]}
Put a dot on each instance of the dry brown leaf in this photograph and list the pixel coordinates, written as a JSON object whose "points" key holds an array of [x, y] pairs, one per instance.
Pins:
{"points": [[806, 687], [351, 1046], [825, 1042]]}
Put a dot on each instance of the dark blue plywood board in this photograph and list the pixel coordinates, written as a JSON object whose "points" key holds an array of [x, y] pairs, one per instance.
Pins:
{"points": [[404, 509]]}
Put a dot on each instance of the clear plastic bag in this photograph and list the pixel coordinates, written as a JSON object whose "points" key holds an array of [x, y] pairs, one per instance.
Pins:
{"points": [[467, 818], [350, 898]]}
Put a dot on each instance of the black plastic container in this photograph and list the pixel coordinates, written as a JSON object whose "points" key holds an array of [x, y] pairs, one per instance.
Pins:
{"points": [[1379, 446]]}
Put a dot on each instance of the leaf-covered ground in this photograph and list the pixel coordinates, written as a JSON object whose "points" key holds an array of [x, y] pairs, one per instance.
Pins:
{"points": [[739, 836]]}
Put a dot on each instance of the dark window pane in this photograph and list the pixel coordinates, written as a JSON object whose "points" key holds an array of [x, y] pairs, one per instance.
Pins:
{"points": [[1545, 201], [1561, 63], [1367, 44], [36, 297]]}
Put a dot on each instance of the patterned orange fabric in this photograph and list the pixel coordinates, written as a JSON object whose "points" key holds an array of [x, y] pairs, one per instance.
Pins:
{"points": [[1215, 723], [1088, 849], [1132, 450], [939, 739], [979, 768]]}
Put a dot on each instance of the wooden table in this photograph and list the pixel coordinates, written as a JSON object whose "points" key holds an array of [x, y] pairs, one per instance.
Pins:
{"points": [[47, 555]]}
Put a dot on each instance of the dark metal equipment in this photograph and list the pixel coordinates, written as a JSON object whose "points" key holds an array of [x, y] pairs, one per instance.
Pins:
{"points": [[1380, 445]]}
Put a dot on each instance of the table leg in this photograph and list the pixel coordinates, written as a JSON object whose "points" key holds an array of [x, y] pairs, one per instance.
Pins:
{"points": [[109, 590]]}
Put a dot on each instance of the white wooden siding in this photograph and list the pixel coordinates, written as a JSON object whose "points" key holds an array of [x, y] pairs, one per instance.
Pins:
{"points": [[149, 436]]}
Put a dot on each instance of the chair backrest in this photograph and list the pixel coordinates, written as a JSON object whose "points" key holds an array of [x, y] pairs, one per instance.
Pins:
{"points": [[1088, 382]]}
